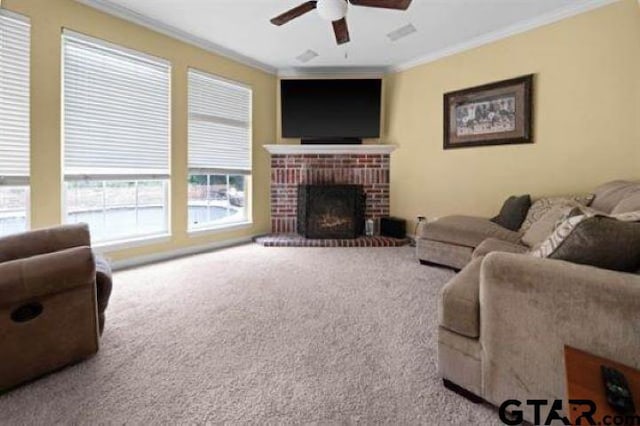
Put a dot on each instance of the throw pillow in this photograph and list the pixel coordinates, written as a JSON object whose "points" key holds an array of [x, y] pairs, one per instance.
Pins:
{"points": [[610, 194], [513, 212], [627, 217], [608, 242], [542, 228], [629, 204], [543, 205], [547, 247]]}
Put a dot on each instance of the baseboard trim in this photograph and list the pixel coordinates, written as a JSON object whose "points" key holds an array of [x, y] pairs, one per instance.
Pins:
{"points": [[119, 265]]}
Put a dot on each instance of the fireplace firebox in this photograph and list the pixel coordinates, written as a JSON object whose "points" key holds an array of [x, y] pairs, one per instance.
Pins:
{"points": [[331, 211]]}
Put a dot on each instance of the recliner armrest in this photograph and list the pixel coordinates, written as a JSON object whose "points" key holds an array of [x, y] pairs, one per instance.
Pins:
{"points": [[45, 274], [44, 241]]}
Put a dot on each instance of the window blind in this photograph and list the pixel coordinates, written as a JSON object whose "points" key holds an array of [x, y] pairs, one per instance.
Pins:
{"points": [[14, 99], [219, 125], [116, 111]]}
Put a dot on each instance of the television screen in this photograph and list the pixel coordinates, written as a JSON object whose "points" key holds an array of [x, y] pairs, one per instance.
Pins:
{"points": [[330, 109]]}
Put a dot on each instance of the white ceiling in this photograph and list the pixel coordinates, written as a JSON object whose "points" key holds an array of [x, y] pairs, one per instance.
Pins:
{"points": [[241, 29]]}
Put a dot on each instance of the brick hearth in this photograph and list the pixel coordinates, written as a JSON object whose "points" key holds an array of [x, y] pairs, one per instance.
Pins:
{"points": [[371, 170], [295, 240]]}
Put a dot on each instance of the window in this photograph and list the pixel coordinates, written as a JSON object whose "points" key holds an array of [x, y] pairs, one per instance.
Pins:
{"points": [[216, 200], [219, 151], [14, 123], [118, 210], [116, 140]]}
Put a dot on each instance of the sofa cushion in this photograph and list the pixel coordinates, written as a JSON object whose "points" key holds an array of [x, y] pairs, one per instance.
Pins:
{"points": [[444, 254], [491, 244], [543, 227], [513, 212], [541, 206], [460, 303], [468, 231], [631, 203], [609, 195]]}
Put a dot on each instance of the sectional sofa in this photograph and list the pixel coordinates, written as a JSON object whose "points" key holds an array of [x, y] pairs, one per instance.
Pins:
{"points": [[506, 317]]}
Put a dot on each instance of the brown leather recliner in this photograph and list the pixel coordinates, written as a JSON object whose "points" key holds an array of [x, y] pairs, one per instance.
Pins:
{"points": [[51, 299]]}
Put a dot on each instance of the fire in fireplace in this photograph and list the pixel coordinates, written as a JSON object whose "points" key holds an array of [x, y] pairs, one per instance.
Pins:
{"points": [[331, 211]]}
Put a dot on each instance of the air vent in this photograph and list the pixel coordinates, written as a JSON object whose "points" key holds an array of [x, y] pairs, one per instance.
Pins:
{"points": [[402, 32], [307, 56]]}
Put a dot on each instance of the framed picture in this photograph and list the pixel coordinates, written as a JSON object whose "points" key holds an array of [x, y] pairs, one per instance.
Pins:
{"points": [[493, 114]]}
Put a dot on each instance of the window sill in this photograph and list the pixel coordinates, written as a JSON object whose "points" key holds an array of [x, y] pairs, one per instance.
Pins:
{"points": [[112, 246], [216, 229]]}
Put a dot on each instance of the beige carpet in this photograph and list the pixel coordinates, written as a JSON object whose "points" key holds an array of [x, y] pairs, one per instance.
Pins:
{"points": [[265, 336]]}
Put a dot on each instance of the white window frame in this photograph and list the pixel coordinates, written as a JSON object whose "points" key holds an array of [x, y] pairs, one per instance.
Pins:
{"points": [[134, 240], [212, 227], [215, 227], [104, 176], [23, 182]]}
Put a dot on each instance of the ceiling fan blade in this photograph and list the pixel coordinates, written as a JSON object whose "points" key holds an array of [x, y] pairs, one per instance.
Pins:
{"points": [[385, 4], [341, 30], [294, 13]]}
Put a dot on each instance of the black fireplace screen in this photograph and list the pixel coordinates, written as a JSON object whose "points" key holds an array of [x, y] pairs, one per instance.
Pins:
{"points": [[331, 211]]}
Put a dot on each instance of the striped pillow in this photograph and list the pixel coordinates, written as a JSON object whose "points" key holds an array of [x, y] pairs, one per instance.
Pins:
{"points": [[578, 215]]}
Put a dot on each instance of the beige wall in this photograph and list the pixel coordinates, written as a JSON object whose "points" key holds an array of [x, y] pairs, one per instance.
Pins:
{"points": [[586, 124], [48, 18]]}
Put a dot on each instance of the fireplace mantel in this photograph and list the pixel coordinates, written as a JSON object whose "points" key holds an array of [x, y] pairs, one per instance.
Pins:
{"points": [[283, 149]]}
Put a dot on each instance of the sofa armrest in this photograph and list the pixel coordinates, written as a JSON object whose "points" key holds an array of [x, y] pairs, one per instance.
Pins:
{"points": [[43, 241], [531, 308], [46, 274]]}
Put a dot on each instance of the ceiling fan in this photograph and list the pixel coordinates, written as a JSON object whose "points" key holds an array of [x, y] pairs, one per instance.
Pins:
{"points": [[335, 11]]}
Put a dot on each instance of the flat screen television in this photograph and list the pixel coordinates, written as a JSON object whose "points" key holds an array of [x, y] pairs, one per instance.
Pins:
{"points": [[330, 111]]}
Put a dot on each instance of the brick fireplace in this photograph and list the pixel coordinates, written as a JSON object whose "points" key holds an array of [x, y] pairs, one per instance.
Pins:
{"points": [[294, 165]]}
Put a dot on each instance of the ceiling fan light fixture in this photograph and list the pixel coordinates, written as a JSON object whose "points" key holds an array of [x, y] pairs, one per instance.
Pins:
{"points": [[332, 10]]}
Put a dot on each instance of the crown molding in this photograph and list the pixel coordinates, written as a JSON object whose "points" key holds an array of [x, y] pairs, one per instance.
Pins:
{"points": [[518, 28], [170, 31]]}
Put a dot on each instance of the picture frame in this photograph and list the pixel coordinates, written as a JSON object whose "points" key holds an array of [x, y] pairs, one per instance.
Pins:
{"points": [[499, 113]]}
